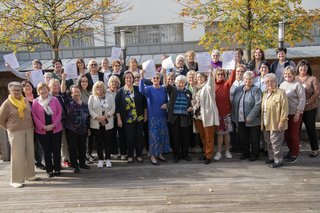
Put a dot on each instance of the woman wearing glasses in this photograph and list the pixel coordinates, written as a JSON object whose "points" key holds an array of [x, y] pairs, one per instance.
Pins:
{"points": [[116, 70], [93, 75], [157, 118]]}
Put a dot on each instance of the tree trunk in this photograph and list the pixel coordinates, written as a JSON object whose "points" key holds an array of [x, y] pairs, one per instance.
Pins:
{"points": [[248, 50], [55, 52]]}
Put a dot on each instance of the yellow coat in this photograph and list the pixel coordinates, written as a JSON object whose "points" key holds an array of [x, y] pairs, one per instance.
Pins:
{"points": [[277, 110]]}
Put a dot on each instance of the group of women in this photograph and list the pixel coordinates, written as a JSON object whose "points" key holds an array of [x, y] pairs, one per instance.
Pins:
{"points": [[122, 112]]}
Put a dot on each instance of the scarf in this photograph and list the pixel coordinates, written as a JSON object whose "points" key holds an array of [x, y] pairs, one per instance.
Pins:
{"points": [[19, 103], [45, 104], [196, 98]]}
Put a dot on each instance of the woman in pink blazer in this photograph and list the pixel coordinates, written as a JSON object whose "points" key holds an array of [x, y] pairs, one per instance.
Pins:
{"points": [[46, 112]]}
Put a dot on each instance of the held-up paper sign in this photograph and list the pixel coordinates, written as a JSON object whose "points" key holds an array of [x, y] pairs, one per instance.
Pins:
{"points": [[71, 70], [150, 69], [167, 63], [11, 59], [204, 62], [116, 53], [36, 77], [228, 62]]}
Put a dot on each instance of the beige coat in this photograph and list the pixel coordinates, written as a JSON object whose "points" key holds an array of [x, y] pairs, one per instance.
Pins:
{"points": [[277, 110]]}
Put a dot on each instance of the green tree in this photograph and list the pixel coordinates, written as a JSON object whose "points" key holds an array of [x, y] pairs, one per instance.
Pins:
{"points": [[25, 24], [249, 23]]}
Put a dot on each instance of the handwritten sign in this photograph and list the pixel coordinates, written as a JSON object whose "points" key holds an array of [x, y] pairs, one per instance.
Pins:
{"points": [[167, 63], [204, 62], [71, 70], [11, 59], [228, 61], [150, 69], [116, 53], [36, 77]]}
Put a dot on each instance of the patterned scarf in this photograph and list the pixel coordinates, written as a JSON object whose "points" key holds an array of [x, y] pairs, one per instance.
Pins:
{"points": [[45, 104]]}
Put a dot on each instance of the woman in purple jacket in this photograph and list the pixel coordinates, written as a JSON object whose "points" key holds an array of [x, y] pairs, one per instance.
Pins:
{"points": [[46, 112]]}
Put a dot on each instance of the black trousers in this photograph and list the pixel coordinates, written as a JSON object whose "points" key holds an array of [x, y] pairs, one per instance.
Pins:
{"points": [[235, 142], [181, 138], [118, 140], [38, 152], [249, 140], [51, 145], [77, 148], [309, 120], [134, 138], [103, 142], [90, 141]]}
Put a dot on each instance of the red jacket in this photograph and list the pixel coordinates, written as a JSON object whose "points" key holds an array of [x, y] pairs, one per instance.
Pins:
{"points": [[223, 94]]}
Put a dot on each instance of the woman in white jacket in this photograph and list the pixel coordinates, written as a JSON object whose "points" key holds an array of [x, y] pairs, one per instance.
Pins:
{"points": [[205, 113], [101, 108]]}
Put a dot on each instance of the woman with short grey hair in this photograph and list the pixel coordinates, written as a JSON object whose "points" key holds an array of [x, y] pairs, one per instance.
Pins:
{"points": [[15, 117], [246, 115]]}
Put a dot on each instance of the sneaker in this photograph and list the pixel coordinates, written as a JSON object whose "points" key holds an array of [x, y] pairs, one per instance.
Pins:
{"points": [[269, 161], [123, 157], [114, 157], [100, 163], [314, 154], [66, 163], [108, 164], [16, 185], [228, 154], [276, 165], [218, 156], [292, 159]]}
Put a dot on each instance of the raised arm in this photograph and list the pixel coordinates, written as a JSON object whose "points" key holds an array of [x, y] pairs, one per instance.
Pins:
{"points": [[17, 73]]}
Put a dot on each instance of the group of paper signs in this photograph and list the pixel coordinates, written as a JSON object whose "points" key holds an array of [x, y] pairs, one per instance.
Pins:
{"points": [[70, 68]]}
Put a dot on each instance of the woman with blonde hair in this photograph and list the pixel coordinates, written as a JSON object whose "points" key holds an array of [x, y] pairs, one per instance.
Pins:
{"points": [[101, 108]]}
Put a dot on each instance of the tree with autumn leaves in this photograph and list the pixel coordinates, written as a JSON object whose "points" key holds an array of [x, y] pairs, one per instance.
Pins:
{"points": [[249, 23], [24, 24]]}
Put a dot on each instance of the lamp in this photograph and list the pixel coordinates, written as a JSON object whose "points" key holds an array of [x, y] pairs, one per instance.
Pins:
{"points": [[281, 33]]}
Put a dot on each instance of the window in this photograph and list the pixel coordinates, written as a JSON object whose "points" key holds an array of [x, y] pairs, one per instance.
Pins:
{"points": [[150, 34]]}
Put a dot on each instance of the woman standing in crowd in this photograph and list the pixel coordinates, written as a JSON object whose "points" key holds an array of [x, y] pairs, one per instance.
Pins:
{"points": [[259, 81], [191, 86], [215, 56], [179, 67], [157, 118], [191, 64], [116, 67], [46, 112], [93, 75], [311, 85], [131, 114], [222, 90], [297, 100], [274, 119], [205, 113], [47, 77], [278, 66], [238, 56], [15, 117], [120, 143], [77, 123], [28, 92], [105, 70], [179, 117], [57, 69], [246, 106], [240, 70], [257, 58], [102, 107], [133, 66], [81, 66]]}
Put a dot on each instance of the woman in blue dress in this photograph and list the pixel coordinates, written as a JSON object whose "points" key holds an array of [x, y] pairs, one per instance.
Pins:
{"points": [[157, 118]]}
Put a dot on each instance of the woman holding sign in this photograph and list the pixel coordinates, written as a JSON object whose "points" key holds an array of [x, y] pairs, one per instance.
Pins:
{"points": [[157, 118]]}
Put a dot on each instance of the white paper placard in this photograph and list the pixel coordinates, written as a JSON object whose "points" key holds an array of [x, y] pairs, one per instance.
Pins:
{"points": [[71, 70], [228, 62], [167, 63], [12, 60], [204, 62], [150, 69], [36, 77], [116, 53]]}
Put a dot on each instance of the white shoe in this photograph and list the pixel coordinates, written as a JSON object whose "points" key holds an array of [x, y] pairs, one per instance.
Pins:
{"points": [[228, 154], [108, 164], [16, 185], [33, 178], [100, 163], [123, 157], [218, 156]]}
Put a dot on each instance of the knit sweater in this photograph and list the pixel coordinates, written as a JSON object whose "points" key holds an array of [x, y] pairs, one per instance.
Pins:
{"points": [[9, 117], [222, 90]]}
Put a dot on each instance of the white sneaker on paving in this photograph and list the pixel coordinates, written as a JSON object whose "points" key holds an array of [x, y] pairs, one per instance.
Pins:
{"points": [[218, 156], [228, 155], [100, 163], [16, 185], [123, 157], [108, 164]]}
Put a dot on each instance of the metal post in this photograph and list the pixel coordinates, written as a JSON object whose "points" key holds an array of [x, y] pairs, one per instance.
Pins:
{"points": [[281, 34]]}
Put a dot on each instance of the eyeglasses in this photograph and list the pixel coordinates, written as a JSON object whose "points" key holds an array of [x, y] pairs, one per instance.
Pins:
{"points": [[94, 65]]}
